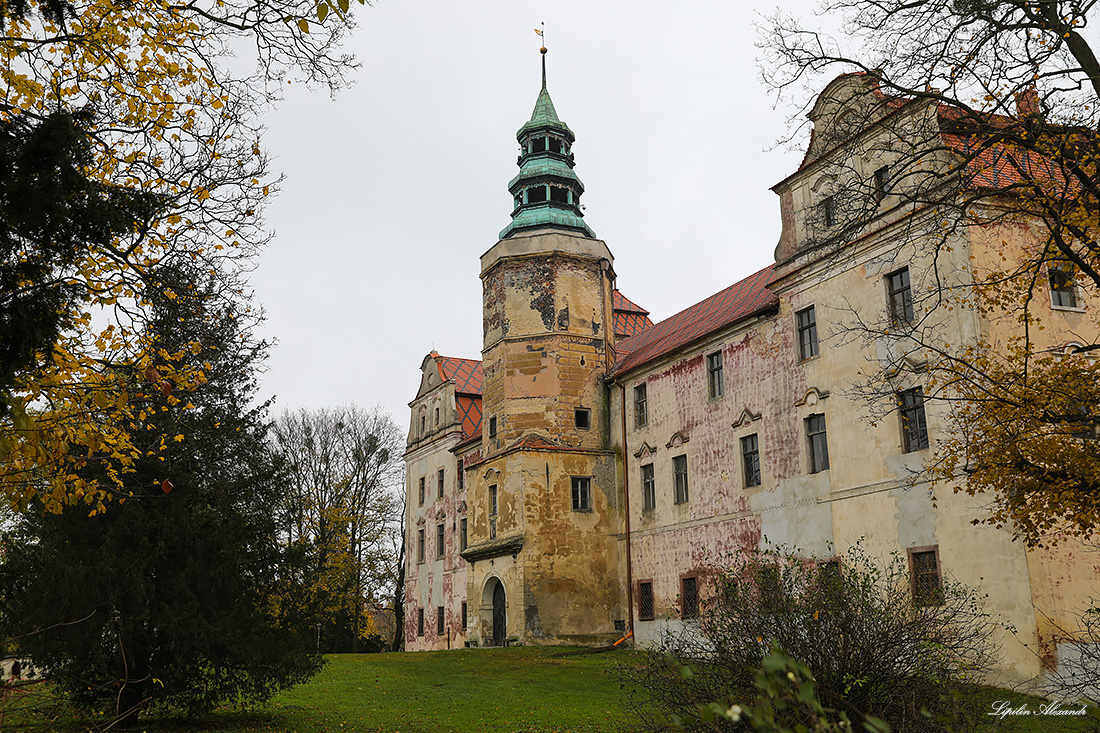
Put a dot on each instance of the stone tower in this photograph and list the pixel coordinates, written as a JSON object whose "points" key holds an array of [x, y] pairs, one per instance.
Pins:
{"points": [[543, 505]]}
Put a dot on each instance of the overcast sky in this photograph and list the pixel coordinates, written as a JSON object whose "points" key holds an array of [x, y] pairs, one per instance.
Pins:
{"points": [[395, 188]]}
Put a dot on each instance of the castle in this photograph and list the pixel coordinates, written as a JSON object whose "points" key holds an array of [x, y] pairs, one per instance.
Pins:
{"points": [[571, 486]]}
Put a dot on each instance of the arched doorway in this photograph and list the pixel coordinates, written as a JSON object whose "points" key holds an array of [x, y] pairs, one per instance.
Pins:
{"points": [[494, 613]]}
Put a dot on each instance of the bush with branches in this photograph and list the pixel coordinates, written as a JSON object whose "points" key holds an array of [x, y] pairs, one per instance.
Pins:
{"points": [[874, 647]]}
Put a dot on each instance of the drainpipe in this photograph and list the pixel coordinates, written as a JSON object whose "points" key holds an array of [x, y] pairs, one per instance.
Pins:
{"points": [[626, 512]]}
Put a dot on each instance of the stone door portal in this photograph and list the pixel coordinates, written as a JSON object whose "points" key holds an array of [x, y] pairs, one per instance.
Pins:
{"points": [[500, 618]]}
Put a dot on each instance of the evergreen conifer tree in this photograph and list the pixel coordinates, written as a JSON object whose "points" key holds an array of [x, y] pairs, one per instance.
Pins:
{"points": [[180, 594]]}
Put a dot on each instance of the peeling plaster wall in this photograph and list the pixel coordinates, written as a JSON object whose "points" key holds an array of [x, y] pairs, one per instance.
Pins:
{"points": [[438, 581]]}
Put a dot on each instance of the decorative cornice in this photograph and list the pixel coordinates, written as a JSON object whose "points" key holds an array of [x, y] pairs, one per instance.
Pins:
{"points": [[812, 397], [676, 440], [746, 417]]}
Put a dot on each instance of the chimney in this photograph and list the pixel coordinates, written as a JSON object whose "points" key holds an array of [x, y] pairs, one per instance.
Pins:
{"points": [[1027, 103]]}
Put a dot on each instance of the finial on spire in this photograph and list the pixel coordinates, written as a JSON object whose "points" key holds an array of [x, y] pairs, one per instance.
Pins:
{"points": [[542, 35]]}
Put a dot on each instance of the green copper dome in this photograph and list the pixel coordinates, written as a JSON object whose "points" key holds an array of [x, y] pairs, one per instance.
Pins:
{"points": [[546, 192]]}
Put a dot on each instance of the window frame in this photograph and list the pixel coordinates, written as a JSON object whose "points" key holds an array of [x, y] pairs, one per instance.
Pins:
{"points": [[828, 211], [807, 333], [881, 178], [494, 507], [464, 536], [420, 622], [420, 546], [649, 487], [441, 540], [918, 595], [645, 614], [1064, 288], [900, 297], [581, 493], [492, 427], [440, 620], [421, 494], [440, 482], [465, 618], [817, 442], [716, 382], [689, 603], [681, 489], [913, 438], [750, 469], [582, 415], [641, 405]]}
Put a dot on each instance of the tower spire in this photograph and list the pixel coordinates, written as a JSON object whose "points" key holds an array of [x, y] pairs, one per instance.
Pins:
{"points": [[546, 192]]}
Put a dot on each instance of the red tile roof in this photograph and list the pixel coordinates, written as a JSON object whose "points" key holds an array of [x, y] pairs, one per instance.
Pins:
{"points": [[469, 413], [1000, 166], [630, 318], [620, 302], [466, 374], [735, 303], [630, 324]]}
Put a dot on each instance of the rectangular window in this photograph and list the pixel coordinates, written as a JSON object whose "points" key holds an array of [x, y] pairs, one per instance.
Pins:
{"points": [[421, 494], [439, 483], [439, 537], [641, 407], [818, 443], [806, 321], [582, 418], [828, 211], [750, 459], [900, 297], [715, 382], [649, 488], [439, 619], [689, 598], [924, 566], [882, 178], [914, 428], [437, 417], [582, 494], [680, 471], [464, 615], [492, 427], [420, 545], [462, 534], [493, 512], [420, 622], [1062, 291], [645, 601], [423, 427], [461, 475]]}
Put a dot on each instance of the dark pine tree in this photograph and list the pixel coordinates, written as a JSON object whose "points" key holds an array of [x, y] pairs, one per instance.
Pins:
{"points": [[51, 216], [180, 595]]}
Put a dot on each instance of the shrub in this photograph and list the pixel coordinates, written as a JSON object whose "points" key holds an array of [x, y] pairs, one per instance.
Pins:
{"points": [[872, 647]]}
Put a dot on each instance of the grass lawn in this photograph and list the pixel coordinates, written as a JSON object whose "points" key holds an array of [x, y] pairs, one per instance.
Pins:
{"points": [[524, 689]]}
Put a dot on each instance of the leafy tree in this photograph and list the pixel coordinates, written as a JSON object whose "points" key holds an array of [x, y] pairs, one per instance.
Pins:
{"points": [[983, 116], [341, 507], [872, 650], [181, 592], [136, 141]]}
